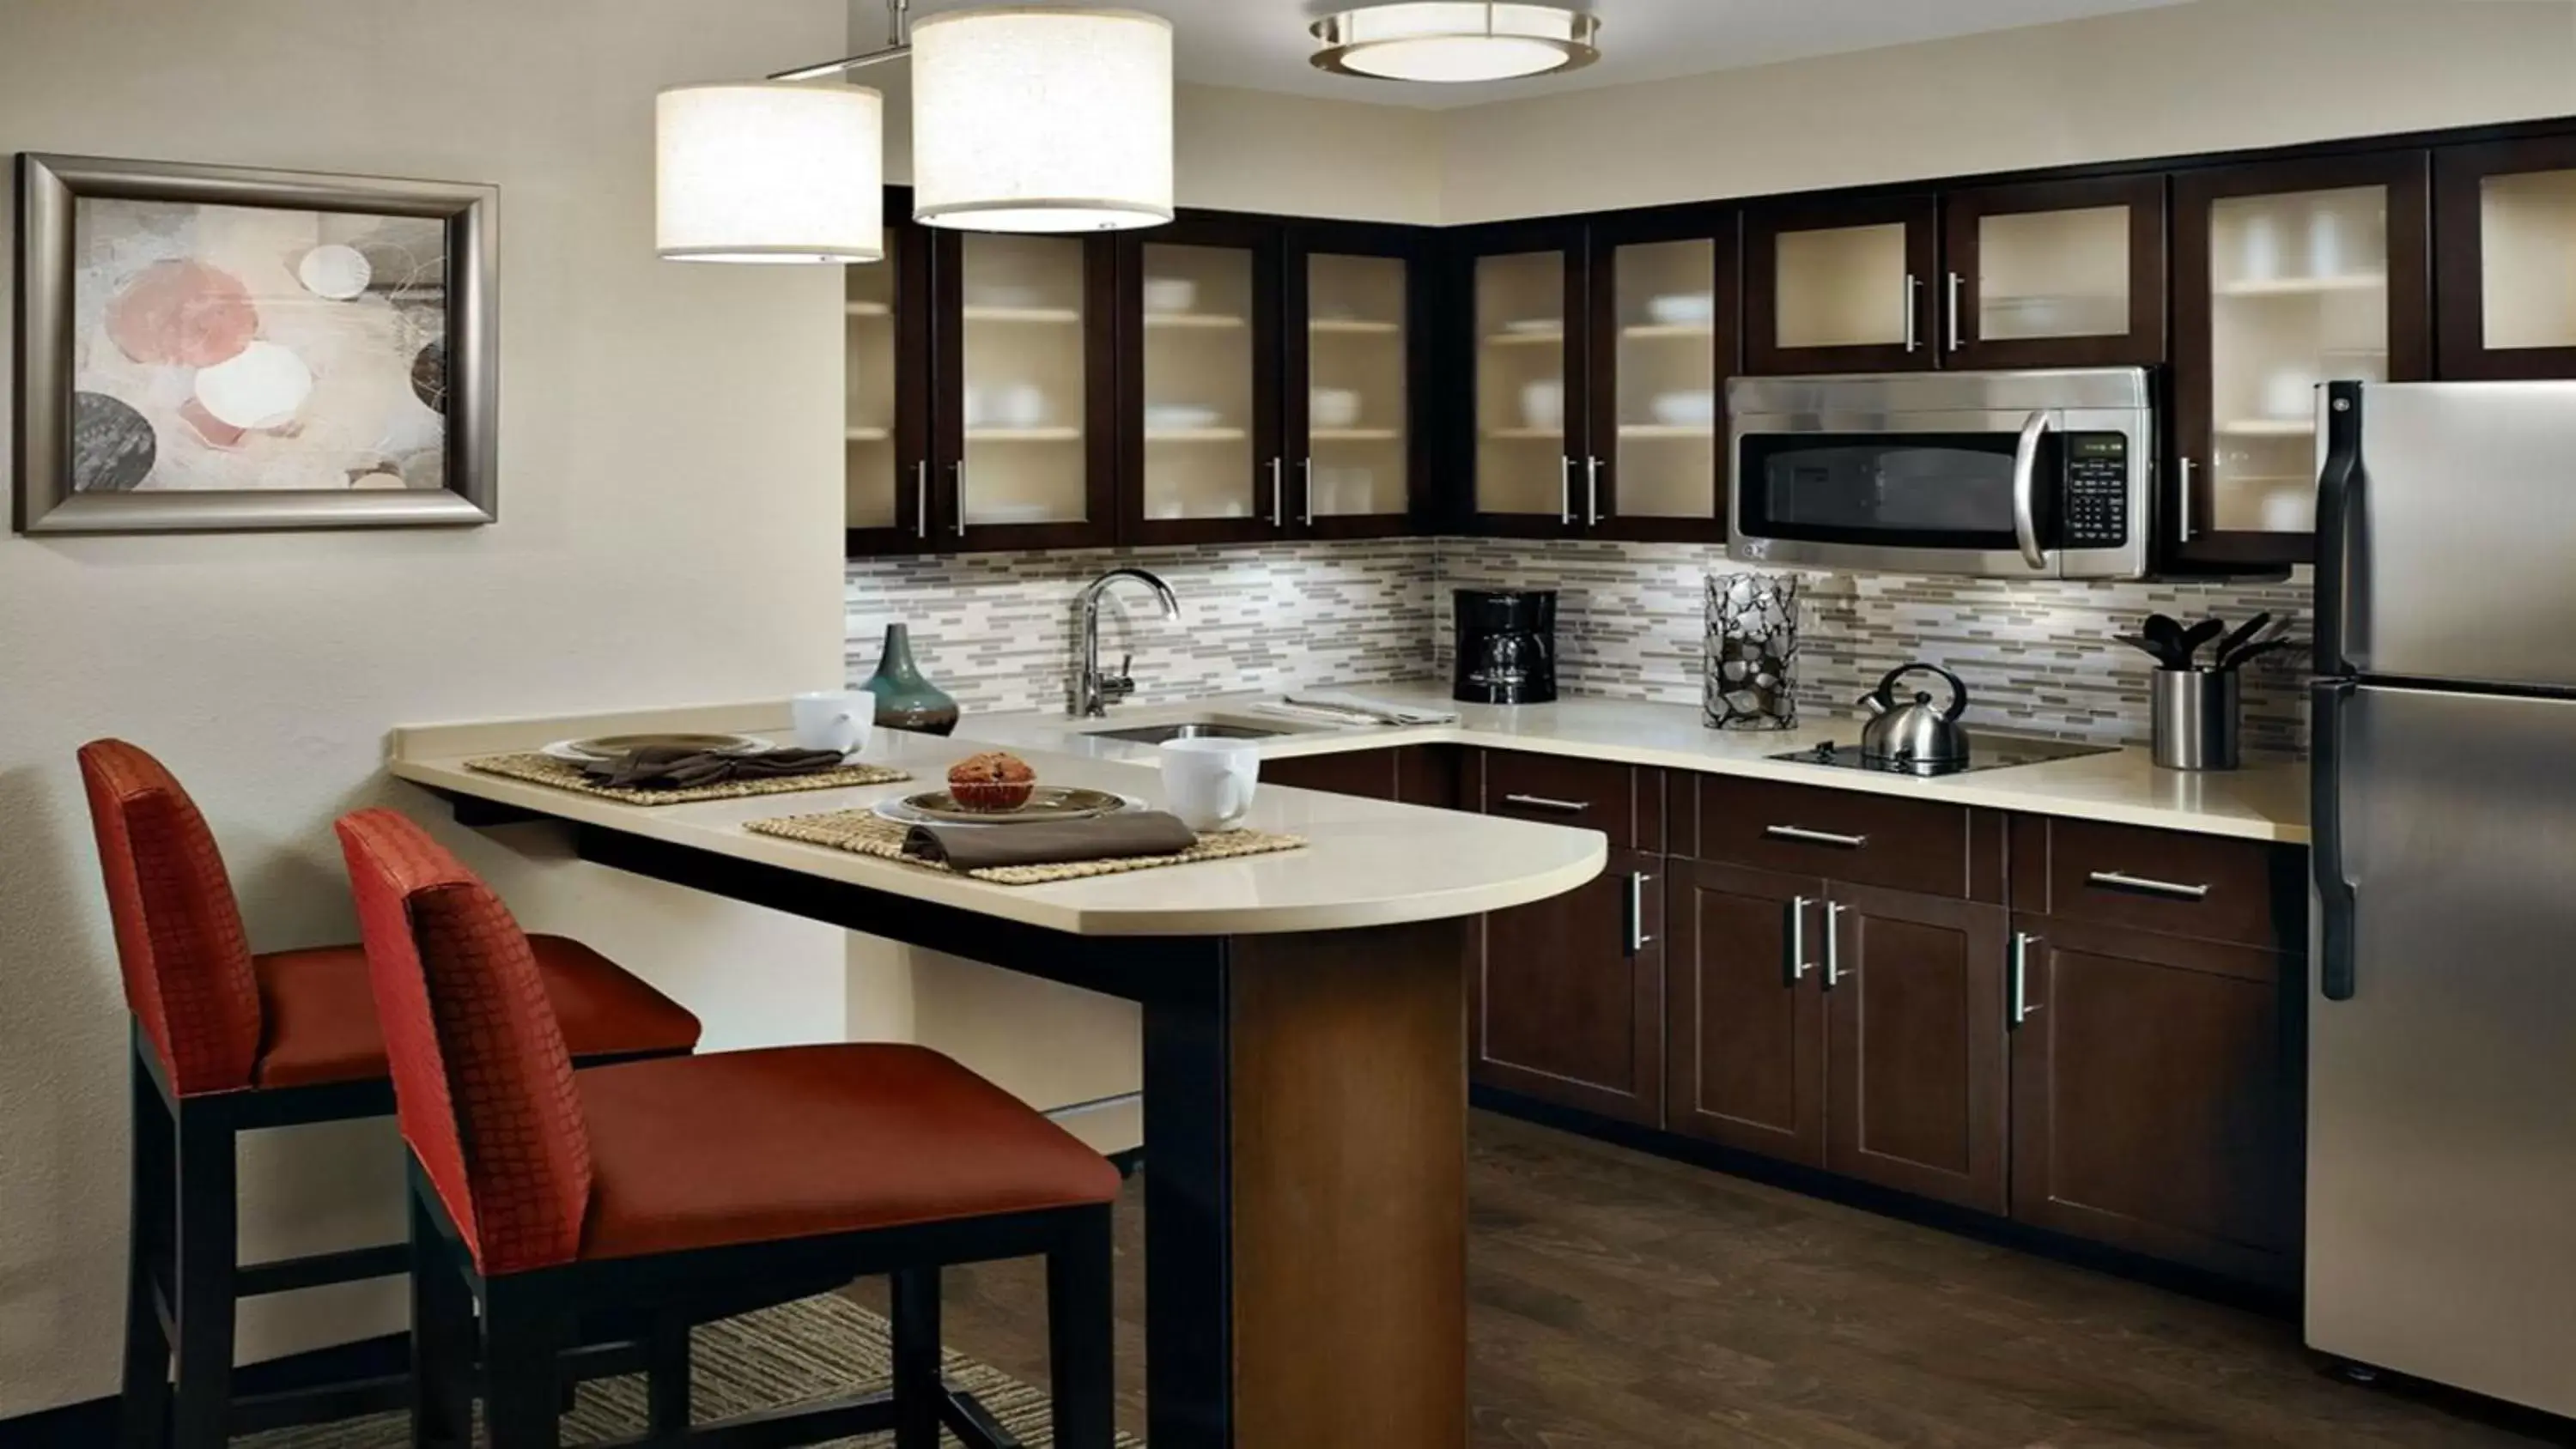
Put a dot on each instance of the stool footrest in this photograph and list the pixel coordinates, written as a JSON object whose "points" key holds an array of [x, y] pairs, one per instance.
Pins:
{"points": [[350, 1265], [251, 1413]]}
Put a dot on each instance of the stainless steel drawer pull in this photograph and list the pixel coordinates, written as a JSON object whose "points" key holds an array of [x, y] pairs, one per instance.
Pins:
{"points": [[1834, 972], [1798, 964], [1814, 837], [2120, 882], [1638, 940], [2021, 1007], [1541, 802]]}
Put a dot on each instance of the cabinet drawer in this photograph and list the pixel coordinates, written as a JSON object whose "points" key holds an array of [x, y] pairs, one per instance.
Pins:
{"points": [[1907, 845], [2179, 884], [1623, 802]]}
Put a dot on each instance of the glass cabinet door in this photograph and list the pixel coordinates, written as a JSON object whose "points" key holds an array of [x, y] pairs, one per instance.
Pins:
{"points": [[1023, 396], [885, 422], [1841, 286], [1668, 324], [2289, 277], [2507, 272], [1528, 408], [2055, 275], [1357, 462], [1203, 302]]}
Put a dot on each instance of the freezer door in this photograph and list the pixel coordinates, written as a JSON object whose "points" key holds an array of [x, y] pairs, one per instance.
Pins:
{"points": [[2442, 1088], [2460, 516]]}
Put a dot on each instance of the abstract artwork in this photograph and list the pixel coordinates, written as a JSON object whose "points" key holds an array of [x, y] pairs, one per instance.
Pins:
{"points": [[1752, 652], [219, 348]]}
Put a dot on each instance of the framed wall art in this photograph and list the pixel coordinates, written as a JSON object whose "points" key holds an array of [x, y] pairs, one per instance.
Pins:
{"points": [[218, 348]]}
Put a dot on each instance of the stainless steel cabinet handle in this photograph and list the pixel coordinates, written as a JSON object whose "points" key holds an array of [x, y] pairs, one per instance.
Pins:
{"points": [[1913, 290], [1541, 802], [1814, 837], [958, 469], [921, 499], [1592, 493], [1798, 964], [2020, 985], [1565, 489], [1954, 311], [1306, 481], [2182, 512], [2121, 881], [1278, 494], [1638, 940], [1834, 972]]}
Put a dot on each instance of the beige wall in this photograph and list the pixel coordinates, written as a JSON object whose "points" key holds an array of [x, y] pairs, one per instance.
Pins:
{"points": [[670, 511], [2213, 75]]}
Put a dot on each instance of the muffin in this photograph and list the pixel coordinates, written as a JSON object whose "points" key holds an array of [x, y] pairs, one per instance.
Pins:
{"points": [[993, 782]]}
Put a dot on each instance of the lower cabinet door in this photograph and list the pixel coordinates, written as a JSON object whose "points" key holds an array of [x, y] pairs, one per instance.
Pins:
{"points": [[1747, 1029], [2157, 1095], [1915, 1000], [1569, 995], [1370, 774]]}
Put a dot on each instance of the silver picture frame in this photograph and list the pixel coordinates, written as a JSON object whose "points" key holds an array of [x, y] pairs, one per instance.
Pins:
{"points": [[46, 502]]}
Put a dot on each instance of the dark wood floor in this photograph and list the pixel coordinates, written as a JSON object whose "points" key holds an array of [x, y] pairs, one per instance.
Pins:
{"points": [[1621, 1300]]}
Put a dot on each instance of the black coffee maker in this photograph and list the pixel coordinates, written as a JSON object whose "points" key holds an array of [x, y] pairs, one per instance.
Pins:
{"points": [[1506, 646]]}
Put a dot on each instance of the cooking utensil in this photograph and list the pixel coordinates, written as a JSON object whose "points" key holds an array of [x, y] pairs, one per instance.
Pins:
{"points": [[1914, 734], [2153, 650], [2197, 635], [2243, 632], [2168, 636], [2271, 633], [2250, 653]]}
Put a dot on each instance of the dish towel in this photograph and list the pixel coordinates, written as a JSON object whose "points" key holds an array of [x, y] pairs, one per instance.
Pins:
{"points": [[1341, 704], [1109, 837], [669, 768]]}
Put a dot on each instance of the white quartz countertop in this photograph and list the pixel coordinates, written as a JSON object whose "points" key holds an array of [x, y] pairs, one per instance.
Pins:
{"points": [[2267, 800], [1368, 862]]}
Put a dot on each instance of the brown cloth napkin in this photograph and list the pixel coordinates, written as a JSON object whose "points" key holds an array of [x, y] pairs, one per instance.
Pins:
{"points": [[1106, 837], [665, 767]]}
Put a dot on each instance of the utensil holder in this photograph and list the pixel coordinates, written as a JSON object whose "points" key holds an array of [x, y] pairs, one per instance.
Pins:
{"points": [[2195, 712]]}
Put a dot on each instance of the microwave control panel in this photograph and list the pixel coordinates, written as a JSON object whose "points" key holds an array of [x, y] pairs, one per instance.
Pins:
{"points": [[2097, 490]]}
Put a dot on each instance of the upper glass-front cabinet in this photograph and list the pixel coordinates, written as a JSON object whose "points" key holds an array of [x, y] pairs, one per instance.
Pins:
{"points": [[1202, 307], [1351, 389], [1529, 407], [885, 415], [2507, 275], [1664, 338], [2067, 274], [1841, 286], [2285, 277], [1025, 431]]}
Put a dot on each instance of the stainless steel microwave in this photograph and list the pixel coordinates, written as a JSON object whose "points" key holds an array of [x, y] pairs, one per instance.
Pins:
{"points": [[2017, 475]]}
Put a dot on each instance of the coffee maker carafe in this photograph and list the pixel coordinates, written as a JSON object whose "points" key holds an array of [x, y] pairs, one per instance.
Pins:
{"points": [[1506, 646]]}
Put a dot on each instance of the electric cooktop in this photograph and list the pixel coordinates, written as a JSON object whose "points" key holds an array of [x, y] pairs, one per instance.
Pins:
{"points": [[1985, 752]]}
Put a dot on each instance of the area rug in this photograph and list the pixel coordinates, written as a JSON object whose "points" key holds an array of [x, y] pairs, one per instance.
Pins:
{"points": [[816, 1348]]}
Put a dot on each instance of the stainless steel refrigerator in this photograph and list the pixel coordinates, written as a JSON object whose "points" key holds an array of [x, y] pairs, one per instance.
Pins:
{"points": [[2442, 1020]]}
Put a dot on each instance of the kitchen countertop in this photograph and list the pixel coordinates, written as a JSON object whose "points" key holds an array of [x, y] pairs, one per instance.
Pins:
{"points": [[2267, 801], [1368, 862]]}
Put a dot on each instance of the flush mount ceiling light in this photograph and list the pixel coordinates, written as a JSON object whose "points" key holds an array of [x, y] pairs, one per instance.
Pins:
{"points": [[1455, 40], [1024, 119]]}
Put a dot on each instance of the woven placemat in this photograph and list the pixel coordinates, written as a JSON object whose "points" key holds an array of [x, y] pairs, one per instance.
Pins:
{"points": [[564, 775], [864, 832]]}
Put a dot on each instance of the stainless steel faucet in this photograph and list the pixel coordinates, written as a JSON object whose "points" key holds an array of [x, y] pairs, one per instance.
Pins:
{"points": [[1092, 695]]}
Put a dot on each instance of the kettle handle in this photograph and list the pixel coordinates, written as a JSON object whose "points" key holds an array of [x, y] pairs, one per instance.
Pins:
{"points": [[1958, 689]]}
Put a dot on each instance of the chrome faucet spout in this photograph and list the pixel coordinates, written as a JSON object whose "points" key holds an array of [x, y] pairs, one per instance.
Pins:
{"points": [[1091, 692]]}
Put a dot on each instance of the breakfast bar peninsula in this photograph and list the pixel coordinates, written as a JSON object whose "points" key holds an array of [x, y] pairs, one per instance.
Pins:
{"points": [[1304, 1046]]}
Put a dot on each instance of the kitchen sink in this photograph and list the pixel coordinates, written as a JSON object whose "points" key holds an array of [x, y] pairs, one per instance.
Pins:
{"points": [[1156, 734]]}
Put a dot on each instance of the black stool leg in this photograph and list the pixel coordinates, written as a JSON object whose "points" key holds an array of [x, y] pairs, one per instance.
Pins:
{"points": [[666, 1375], [143, 1410], [522, 1339], [442, 1339], [1082, 1366], [208, 1249], [917, 1388]]}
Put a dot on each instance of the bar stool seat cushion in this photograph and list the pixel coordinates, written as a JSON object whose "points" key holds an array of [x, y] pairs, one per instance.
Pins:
{"points": [[788, 1142], [319, 1023]]}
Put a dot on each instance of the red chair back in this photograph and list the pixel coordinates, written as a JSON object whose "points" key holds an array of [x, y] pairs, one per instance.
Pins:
{"points": [[179, 938], [482, 1083]]}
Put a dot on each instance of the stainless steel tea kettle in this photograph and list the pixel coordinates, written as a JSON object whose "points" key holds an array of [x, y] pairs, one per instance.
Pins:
{"points": [[1914, 734]]}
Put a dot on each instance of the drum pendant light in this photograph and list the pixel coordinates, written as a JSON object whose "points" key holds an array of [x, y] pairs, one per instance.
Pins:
{"points": [[1042, 119], [768, 172]]}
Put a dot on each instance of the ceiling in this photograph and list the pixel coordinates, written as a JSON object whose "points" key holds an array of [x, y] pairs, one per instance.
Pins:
{"points": [[1263, 45]]}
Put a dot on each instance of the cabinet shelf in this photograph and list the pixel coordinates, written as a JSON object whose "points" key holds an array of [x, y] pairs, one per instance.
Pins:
{"points": [[1667, 430], [867, 309], [1050, 316], [1526, 434], [1669, 329], [1194, 435], [2268, 428], [1023, 435], [2305, 286], [1523, 339], [1190, 321], [1364, 325], [1355, 435], [867, 435]]}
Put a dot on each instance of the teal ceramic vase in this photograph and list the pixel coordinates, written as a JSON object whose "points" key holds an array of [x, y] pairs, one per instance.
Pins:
{"points": [[905, 700]]}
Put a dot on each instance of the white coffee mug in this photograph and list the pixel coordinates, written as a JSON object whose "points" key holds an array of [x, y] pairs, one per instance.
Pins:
{"points": [[1209, 783], [834, 719]]}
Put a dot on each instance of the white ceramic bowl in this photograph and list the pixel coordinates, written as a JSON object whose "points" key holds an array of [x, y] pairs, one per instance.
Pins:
{"points": [[1543, 404], [1685, 409], [1683, 309], [1170, 294], [1334, 407]]}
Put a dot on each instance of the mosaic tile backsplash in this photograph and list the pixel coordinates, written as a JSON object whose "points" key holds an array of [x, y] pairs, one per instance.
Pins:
{"points": [[998, 631]]}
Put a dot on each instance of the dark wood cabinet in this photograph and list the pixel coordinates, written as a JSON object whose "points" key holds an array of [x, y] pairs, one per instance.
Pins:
{"points": [[1841, 284], [1567, 995], [2054, 274], [1409, 774], [2505, 214], [1745, 1022], [2157, 1095], [1916, 1088], [2285, 275], [1201, 455], [1360, 312], [888, 489]]}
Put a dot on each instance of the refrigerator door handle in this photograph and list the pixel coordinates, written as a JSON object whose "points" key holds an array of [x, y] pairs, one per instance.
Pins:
{"points": [[2325, 829], [2339, 480]]}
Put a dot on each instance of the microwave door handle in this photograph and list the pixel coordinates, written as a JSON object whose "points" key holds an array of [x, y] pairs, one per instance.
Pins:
{"points": [[2025, 480]]}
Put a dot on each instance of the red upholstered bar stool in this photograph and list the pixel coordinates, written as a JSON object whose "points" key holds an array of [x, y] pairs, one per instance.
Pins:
{"points": [[684, 1188], [226, 1042]]}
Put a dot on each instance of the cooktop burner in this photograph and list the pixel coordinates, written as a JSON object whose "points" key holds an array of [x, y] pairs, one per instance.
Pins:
{"points": [[1985, 752]]}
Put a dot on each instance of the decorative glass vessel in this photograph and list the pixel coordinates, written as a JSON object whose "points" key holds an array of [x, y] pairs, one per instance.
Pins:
{"points": [[1752, 652], [906, 700]]}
